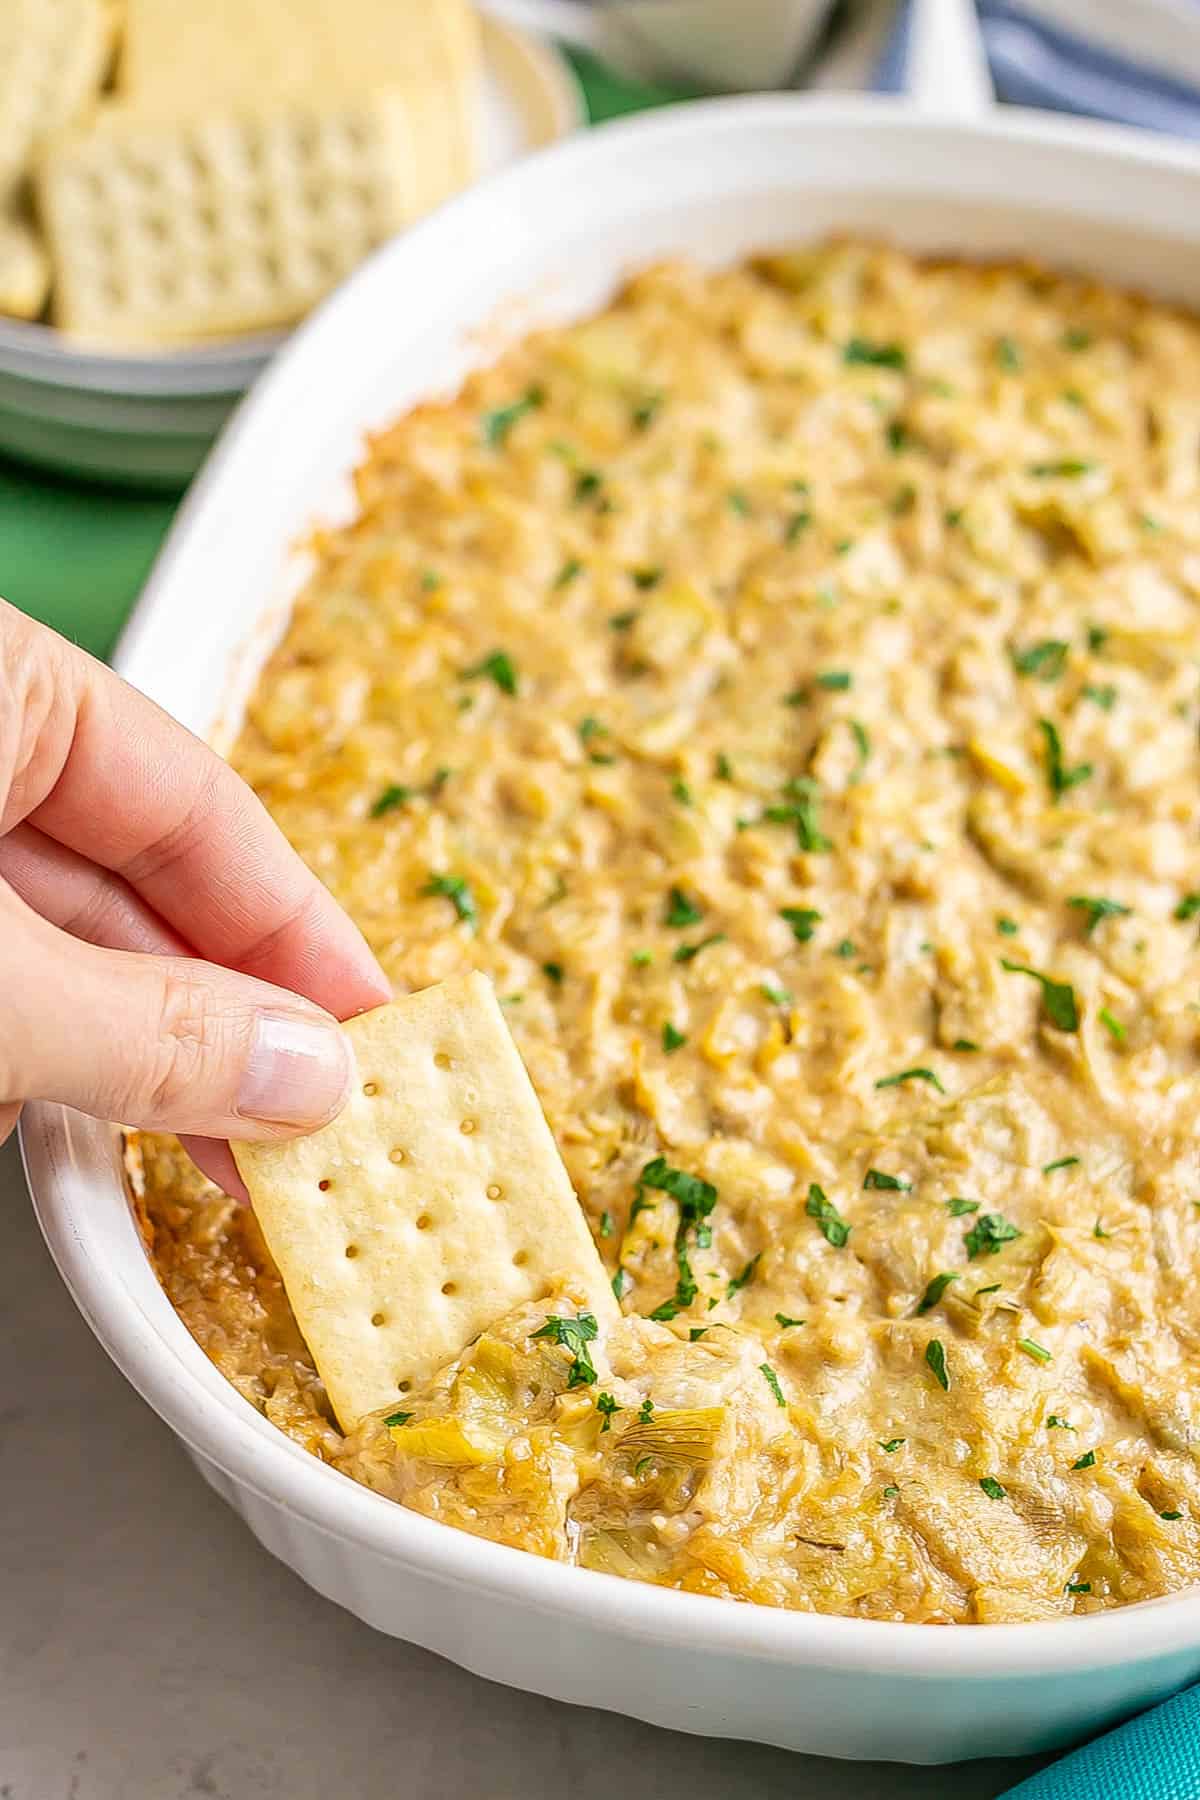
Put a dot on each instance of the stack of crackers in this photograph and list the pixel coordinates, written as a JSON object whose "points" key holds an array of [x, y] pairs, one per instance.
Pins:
{"points": [[177, 170]]}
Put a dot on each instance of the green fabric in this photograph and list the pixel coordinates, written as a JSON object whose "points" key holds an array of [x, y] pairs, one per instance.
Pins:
{"points": [[75, 556]]}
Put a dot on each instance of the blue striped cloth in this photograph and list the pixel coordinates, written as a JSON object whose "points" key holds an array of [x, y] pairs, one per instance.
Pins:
{"points": [[1039, 57]]}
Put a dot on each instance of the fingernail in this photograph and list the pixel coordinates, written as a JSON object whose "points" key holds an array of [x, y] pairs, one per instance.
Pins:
{"points": [[297, 1073]]}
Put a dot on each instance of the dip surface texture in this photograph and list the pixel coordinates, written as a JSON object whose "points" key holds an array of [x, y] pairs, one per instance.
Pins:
{"points": [[785, 686]]}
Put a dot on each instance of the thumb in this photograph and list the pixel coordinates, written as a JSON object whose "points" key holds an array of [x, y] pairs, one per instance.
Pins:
{"points": [[160, 1042]]}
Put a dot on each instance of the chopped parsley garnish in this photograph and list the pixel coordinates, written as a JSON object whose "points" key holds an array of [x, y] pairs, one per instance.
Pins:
{"points": [[958, 1208], [672, 1039], [934, 1291], [497, 667], [606, 1406], [606, 1224], [963, 1044], [681, 792], [646, 578], [497, 425], [737, 1282], [1008, 355], [589, 728], [897, 435], [875, 1178], [642, 1464], [1097, 909], [1113, 1025], [845, 950], [1046, 660], [686, 952], [1060, 777], [646, 1411], [1005, 926], [874, 356], [834, 1229], [1170, 1515], [904, 1075], [1187, 908], [835, 681], [1098, 1231], [778, 996], [570, 569], [553, 972], [1079, 1587], [989, 1233], [455, 889], [588, 483], [782, 1320], [1067, 466], [1086, 1461], [1054, 1423], [681, 911], [397, 1418], [1061, 1162], [622, 1281], [1097, 638], [992, 1488], [992, 1288], [622, 621], [1103, 696], [430, 581], [889, 1493], [641, 959], [389, 799], [935, 1357], [798, 523], [722, 767], [738, 502], [646, 411], [803, 921], [1075, 338], [1038, 1352], [1058, 997], [574, 1335], [695, 1199], [889, 1446], [696, 1332], [862, 744], [800, 807], [772, 1380]]}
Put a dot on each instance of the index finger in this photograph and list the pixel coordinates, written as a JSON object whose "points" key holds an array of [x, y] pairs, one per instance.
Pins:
{"points": [[134, 791]]}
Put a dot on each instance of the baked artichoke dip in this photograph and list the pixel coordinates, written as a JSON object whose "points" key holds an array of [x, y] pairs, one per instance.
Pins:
{"points": [[785, 686]]}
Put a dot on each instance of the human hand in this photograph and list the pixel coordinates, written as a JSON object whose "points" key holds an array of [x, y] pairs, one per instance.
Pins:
{"points": [[166, 959]]}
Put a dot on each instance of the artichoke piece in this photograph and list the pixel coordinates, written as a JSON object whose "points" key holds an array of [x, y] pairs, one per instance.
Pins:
{"points": [[687, 1435], [443, 1440]]}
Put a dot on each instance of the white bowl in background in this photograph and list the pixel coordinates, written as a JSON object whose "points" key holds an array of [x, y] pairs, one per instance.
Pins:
{"points": [[148, 419], [547, 241]]}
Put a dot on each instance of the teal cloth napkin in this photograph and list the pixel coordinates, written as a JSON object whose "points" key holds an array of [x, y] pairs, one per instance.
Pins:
{"points": [[1154, 1757]]}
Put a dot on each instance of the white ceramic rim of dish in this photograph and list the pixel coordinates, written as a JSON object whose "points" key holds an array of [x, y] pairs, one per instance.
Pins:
{"points": [[224, 1429]]}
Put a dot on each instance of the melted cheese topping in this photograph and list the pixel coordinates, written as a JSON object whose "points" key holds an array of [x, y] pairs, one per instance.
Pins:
{"points": [[785, 686]]}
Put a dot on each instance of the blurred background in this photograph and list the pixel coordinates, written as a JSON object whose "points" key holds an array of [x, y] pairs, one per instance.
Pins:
{"points": [[181, 181]]}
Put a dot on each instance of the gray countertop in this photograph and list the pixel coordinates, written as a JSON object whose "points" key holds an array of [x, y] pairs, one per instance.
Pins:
{"points": [[150, 1650]]}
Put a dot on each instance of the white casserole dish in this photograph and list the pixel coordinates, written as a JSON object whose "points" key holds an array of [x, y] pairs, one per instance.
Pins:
{"points": [[547, 241]]}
